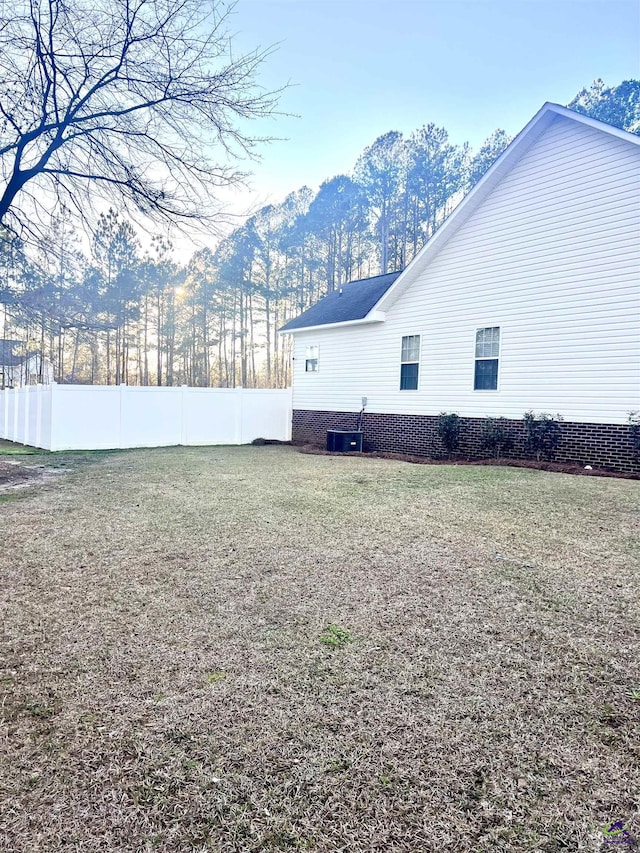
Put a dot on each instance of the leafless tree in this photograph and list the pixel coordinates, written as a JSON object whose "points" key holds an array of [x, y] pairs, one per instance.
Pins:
{"points": [[121, 102]]}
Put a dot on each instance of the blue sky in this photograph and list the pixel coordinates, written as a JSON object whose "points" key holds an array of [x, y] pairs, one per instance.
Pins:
{"points": [[358, 69]]}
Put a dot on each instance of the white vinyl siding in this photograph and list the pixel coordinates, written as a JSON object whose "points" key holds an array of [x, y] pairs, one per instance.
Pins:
{"points": [[553, 256]]}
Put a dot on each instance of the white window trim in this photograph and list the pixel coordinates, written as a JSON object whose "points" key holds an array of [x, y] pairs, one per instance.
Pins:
{"points": [[475, 358], [418, 362]]}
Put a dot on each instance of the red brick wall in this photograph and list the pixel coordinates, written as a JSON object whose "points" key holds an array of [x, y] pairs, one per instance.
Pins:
{"points": [[601, 445]]}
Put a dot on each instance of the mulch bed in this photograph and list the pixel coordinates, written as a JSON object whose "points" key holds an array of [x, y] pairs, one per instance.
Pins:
{"points": [[557, 467]]}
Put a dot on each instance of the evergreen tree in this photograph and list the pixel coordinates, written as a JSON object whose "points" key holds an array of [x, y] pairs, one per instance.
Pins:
{"points": [[616, 105]]}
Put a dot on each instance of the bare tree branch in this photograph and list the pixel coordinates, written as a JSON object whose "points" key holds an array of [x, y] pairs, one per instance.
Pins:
{"points": [[121, 102]]}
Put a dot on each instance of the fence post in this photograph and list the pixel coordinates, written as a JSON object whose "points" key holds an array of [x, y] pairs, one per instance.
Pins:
{"points": [[288, 427], [121, 437], [57, 437], [14, 431], [5, 411], [52, 418], [238, 420], [27, 415], [38, 438], [184, 426]]}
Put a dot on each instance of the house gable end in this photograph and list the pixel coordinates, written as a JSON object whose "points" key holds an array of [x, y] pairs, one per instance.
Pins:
{"points": [[546, 117]]}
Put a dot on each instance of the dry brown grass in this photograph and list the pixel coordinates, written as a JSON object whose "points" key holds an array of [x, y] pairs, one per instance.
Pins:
{"points": [[168, 684]]}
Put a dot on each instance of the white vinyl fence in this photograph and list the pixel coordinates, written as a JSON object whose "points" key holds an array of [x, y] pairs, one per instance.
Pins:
{"points": [[101, 417]]}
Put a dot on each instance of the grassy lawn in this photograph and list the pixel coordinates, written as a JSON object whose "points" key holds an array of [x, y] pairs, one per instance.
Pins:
{"points": [[252, 649]]}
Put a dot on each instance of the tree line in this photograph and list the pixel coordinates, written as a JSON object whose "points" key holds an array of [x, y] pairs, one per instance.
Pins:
{"points": [[124, 310]]}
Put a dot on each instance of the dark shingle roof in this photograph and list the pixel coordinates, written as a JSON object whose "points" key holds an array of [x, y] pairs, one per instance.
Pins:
{"points": [[8, 356], [352, 301]]}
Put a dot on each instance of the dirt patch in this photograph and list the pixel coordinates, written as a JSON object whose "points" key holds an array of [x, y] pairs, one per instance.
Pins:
{"points": [[532, 464], [16, 474], [24, 474]]}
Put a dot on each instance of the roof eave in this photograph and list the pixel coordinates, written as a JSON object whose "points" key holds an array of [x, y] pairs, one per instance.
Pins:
{"points": [[371, 317]]}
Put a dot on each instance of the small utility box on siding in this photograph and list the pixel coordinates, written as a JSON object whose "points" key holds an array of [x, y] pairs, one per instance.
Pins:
{"points": [[344, 440]]}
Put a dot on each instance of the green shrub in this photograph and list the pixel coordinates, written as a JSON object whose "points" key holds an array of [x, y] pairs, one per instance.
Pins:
{"points": [[542, 434], [634, 429], [449, 431], [497, 438]]}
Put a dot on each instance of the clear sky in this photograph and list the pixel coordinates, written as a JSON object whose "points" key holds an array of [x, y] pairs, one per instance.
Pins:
{"points": [[358, 68]]}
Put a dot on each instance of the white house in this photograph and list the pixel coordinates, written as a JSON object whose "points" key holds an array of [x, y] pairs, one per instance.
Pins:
{"points": [[19, 367], [527, 297]]}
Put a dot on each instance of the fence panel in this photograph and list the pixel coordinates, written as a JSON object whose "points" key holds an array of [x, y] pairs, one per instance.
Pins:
{"points": [[100, 417], [150, 417], [212, 418], [85, 417], [265, 414]]}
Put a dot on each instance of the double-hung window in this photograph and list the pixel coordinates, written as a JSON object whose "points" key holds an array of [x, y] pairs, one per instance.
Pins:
{"points": [[410, 363], [311, 359], [487, 358]]}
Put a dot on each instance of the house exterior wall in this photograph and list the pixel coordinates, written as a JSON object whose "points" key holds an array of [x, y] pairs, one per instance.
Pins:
{"points": [[26, 373], [552, 257]]}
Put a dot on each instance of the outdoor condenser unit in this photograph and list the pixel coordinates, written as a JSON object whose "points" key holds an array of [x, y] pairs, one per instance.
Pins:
{"points": [[344, 440]]}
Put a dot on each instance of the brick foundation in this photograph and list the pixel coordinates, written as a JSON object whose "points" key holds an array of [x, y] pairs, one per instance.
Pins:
{"points": [[600, 445]]}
